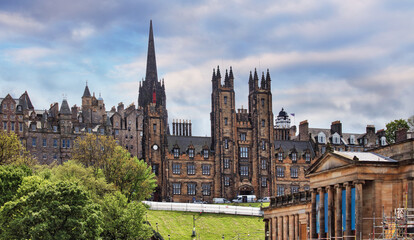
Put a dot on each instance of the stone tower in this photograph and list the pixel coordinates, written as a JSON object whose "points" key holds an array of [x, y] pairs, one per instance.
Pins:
{"points": [[223, 134]]}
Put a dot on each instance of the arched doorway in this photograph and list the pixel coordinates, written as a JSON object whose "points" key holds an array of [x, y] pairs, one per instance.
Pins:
{"points": [[246, 190]]}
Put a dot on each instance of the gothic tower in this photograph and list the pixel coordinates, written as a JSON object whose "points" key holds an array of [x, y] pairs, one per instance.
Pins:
{"points": [[152, 100], [261, 114], [223, 134]]}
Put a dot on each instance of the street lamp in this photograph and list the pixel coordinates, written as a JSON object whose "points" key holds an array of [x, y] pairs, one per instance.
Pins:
{"points": [[194, 231], [157, 226]]}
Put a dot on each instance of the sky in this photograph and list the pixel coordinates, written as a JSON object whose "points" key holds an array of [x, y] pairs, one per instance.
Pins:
{"points": [[351, 61]]}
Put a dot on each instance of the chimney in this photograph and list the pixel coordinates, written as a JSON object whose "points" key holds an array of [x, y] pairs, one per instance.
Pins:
{"points": [[190, 134], [400, 135], [120, 107], [336, 127], [304, 131], [173, 126], [371, 129], [292, 132]]}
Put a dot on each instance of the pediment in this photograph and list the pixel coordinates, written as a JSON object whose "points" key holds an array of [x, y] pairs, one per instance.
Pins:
{"points": [[329, 162]]}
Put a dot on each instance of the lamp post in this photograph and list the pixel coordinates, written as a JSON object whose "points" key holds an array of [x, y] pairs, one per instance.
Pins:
{"points": [[194, 231], [157, 226]]}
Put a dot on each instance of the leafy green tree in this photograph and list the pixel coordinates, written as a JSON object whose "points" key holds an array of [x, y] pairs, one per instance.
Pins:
{"points": [[12, 151], [61, 210], [93, 150], [11, 178], [131, 176], [75, 172], [392, 127], [123, 220]]}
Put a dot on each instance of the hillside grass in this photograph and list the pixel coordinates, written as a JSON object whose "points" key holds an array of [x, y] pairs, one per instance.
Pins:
{"points": [[179, 225]]}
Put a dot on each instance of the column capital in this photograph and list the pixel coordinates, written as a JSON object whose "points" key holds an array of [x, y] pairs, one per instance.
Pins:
{"points": [[358, 182], [320, 189], [348, 184], [327, 188], [338, 185]]}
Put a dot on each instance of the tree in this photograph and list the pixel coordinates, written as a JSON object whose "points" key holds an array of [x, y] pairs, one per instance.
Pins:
{"points": [[131, 176], [93, 150], [11, 177], [12, 151], [123, 220], [72, 171], [48, 210], [392, 127]]}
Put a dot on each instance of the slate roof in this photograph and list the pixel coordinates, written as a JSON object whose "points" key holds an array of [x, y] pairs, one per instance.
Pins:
{"points": [[184, 141], [300, 146], [64, 109], [345, 136], [365, 156]]}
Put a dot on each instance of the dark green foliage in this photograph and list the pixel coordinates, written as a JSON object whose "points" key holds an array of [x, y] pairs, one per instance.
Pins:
{"points": [[392, 127], [61, 210], [123, 220], [11, 178]]}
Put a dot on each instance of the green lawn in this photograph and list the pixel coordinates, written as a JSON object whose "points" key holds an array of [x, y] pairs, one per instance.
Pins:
{"points": [[179, 225]]}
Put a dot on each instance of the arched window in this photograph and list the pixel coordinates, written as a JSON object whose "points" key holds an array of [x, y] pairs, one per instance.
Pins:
{"points": [[336, 138], [383, 141]]}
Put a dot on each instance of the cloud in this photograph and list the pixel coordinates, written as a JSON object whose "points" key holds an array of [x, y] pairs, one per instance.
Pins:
{"points": [[82, 32], [29, 55]]}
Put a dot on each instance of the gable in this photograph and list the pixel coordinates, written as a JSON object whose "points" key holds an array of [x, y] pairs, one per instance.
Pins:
{"points": [[329, 162]]}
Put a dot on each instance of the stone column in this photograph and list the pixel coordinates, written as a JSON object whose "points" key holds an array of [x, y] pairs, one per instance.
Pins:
{"points": [[312, 219], [358, 209], [338, 211], [410, 186], [280, 229], [331, 224], [297, 227], [274, 228], [285, 227], [266, 228], [321, 212], [292, 227], [348, 230]]}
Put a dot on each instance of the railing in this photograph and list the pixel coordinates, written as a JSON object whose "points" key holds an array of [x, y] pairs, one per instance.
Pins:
{"points": [[207, 208], [291, 199]]}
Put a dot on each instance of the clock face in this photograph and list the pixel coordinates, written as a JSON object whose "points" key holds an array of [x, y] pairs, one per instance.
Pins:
{"points": [[155, 147]]}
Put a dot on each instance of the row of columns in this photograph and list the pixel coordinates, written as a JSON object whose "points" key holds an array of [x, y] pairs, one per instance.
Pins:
{"points": [[335, 211], [283, 227]]}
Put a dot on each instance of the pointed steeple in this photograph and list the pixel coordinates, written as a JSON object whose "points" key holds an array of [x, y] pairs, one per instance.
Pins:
{"points": [[231, 73], [268, 80], [226, 79], [218, 72], [213, 78], [250, 81], [263, 82], [255, 79], [64, 109], [151, 74], [86, 92]]}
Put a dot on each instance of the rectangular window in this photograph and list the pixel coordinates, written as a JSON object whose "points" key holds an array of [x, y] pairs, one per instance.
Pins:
{"points": [[55, 142], [68, 143], [206, 169], [176, 152], [244, 170], [205, 153], [191, 188], [307, 157], [176, 188], [155, 169], [154, 127], [262, 101], [280, 190], [294, 189], [190, 169], [294, 172], [191, 153], [263, 123], [102, 131], [280, 172], [21, 127], [244, 152], [34, 142], [89, 130], [63, 143], [206, 189], [263, 145], [4, 125], [225, 99], [226, 143], [280, 157], [12, 126], [77, 130], [264, 181], [33, 126], [294, 157], [176, 168], [5, 106], [226, 163], [242, 136], [225, 121], [44, 142], [264, 164], [226, 181], [54, 128]]}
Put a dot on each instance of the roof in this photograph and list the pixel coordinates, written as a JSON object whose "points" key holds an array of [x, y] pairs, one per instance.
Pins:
{"points": [[64, 109], [300, 146], [184, 141], [365, 156], [345, 136], [86, 93]]}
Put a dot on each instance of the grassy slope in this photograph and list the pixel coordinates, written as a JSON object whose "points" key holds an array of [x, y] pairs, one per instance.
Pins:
{"points": [[208, 226]]}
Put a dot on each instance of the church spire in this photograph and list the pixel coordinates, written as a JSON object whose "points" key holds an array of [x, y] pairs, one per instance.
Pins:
{"points": [[151, 74]]}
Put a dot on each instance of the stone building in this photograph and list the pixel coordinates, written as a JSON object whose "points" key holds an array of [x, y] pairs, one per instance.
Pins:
{"points": [[347, 191]]}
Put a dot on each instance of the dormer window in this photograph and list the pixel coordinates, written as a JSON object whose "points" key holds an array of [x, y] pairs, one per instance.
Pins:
{"points": [[307, 157], [336, 138], [280, 157], [321, 137], [19, 108], [205, 153], [33, 127], [242, 136], [383, 141], [352, 139], [191, 152], [176, 152], [294, 157]]}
